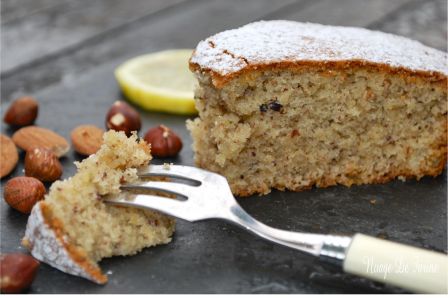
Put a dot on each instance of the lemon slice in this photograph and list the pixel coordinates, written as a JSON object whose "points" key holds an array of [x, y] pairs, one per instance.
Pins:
{"points": [[159, 81]]}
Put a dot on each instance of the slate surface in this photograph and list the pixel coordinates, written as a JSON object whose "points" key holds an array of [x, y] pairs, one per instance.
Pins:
{"points": [[75, 85]]}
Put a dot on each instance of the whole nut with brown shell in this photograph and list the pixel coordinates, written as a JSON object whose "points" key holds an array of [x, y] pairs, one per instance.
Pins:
{"points": [[22, 111], [22, 193], [123, 117], [87, 139], [17, 272], [8, 155], [164, 142], [43, 164], [31, 137]]}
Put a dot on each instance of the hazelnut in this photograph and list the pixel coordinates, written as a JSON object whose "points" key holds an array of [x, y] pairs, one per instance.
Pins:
{"points": [[22, 111], [22, 193], [164, 142], [17, 272], [43, 164], [123, 117]]}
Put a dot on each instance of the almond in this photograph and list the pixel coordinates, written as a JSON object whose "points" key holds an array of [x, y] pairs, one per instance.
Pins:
{"points": [[87, 139], [31, 137], [9, 156], [17, 272], [22, 193], [43, 164]]}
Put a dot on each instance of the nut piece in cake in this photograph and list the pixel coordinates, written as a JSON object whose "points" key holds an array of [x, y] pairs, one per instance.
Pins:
{"points": [[290, 105], [73, 229]]}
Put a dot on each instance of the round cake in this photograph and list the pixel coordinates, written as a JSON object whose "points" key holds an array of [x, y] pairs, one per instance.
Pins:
{"points": [[290, 105]]}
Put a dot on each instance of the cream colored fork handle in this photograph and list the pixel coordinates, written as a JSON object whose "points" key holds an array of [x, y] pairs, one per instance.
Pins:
{"points": [[411, 268]]}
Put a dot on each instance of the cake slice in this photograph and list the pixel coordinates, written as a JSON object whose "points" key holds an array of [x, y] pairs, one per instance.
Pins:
{"points": [[290, 105], [73, 229]]}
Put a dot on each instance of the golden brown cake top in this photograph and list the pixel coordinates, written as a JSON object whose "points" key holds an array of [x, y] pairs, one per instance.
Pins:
{"points": [[285, 43]]}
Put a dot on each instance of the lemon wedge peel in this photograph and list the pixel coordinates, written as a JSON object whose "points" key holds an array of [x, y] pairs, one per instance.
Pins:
{"points": [[150, 96]]}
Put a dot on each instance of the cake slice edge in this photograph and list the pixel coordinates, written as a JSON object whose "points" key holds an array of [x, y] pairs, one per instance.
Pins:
{"points": [[47, 243]]}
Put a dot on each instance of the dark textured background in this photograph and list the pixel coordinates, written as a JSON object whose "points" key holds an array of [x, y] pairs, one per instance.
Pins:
{"points": [[64, 52]]}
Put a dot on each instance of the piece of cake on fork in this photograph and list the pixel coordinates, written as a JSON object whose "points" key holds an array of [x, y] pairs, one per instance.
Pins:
{"points": [[73, 229], [288, 105]]}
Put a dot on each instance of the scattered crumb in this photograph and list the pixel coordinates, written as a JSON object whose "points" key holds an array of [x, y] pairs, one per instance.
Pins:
{"points": [[316, 227], [167, 166], [376, 201], [382, 235], [402, 178]]}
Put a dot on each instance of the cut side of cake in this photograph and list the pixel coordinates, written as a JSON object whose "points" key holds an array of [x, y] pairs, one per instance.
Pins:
{"points": [[288, 105], [73, 229]]}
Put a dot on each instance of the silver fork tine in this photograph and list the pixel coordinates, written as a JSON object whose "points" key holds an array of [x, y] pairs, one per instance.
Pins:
{"points": [[165, 205], [172, 170], [166, 186]]}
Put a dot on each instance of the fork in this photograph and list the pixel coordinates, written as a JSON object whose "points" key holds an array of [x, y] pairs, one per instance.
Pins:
{"points": [[207, 195]]}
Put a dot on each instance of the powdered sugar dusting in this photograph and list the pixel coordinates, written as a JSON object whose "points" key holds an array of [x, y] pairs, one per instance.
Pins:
{"points": [[46, 247], [268, 42]]}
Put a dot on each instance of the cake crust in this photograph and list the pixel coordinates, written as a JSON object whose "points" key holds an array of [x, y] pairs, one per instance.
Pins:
{"points": [[46, 243], [286, 44]]}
